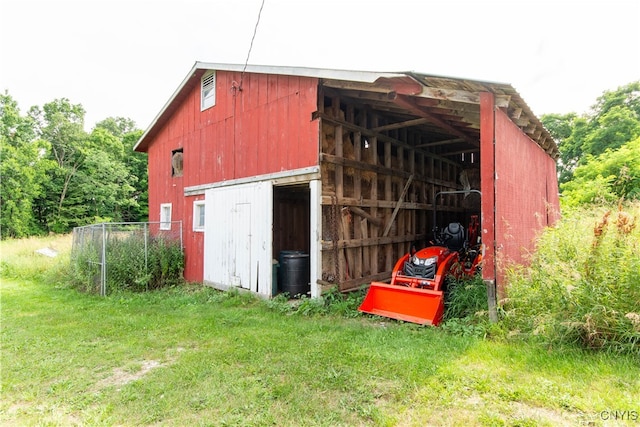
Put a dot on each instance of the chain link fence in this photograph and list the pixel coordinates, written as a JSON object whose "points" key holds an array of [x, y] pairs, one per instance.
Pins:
{"points": [[127, 256]]}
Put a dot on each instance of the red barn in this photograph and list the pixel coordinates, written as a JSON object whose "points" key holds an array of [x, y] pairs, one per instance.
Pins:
{"points": [[342, 167]]}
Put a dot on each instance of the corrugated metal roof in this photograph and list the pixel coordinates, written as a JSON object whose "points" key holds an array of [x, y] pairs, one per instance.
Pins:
{"points": [[446, 103]]}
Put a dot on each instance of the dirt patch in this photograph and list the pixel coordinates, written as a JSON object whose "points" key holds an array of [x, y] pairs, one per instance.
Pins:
{"points": [[121, 376], [551, 416]]}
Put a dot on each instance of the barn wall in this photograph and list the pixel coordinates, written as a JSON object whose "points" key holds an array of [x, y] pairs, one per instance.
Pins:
{"points": [[526, 194], [264, 128]]}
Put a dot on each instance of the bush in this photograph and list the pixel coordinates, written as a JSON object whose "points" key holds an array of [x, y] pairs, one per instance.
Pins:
{"points": [[583, 285]]}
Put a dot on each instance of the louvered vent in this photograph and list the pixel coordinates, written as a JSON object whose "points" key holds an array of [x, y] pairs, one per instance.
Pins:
{"points": [[208, 91]]}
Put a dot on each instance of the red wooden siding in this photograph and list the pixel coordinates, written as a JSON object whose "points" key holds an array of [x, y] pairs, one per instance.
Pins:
{"points": [[526, 193], [195, 239], [266, 127]]}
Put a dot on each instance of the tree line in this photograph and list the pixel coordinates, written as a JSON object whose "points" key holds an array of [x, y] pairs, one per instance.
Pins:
{"points": [[600, 150], [55, 176]]}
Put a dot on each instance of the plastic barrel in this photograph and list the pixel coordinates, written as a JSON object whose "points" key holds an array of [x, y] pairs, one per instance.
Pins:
{"points": [[294, 274], [280, 260]]}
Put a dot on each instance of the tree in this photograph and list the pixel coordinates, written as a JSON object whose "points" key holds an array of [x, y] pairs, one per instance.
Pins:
{"points": [[135, 163], [569, 130], [22, 170], [612, 129], [61, 123], [613, 175], [91, 180], [613, 121], [55, 176], [117, 126]]}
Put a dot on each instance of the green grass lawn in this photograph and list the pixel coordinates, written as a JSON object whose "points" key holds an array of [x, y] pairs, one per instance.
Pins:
{"points": [[195, 356]]}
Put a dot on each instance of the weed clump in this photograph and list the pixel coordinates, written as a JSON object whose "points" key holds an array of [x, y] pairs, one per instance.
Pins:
{"points": [[333, 302], [582, 287], [466, 307], [127, 268]]}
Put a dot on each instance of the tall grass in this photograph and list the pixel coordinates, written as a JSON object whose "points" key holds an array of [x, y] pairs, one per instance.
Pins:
{"points": [[127, 267], [466, 308], [583, 285], [19, 259]]}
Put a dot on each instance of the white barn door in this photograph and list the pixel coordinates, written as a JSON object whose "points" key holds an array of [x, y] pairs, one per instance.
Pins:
{"points": [[238, 237]]}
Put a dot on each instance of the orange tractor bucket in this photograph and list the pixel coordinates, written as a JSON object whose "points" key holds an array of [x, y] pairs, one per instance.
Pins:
{"points": [[416, 305], [418, 278]]}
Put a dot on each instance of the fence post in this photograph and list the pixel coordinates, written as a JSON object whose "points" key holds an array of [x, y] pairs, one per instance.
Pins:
{"points": [[103, 285], [146, 254]]}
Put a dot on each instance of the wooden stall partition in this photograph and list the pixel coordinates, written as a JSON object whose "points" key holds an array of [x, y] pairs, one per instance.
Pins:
{"points": [[377, 192]]}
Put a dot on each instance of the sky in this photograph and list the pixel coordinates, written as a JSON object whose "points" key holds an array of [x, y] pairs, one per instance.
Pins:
{"points": [[125, 58]]}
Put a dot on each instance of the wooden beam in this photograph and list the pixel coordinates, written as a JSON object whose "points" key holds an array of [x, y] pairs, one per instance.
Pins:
{"points": [[502, 101], [399, 125], [516, 113], [386, 171], [365, 87], [409, 104], [444, 142], [397, 208], [373, 242], [413, 90], [356, 210], [363, 95], [356, 284]]}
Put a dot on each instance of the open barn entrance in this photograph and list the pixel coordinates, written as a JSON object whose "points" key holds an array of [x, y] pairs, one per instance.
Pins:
{"points": [[384, 158], [291, 238]]}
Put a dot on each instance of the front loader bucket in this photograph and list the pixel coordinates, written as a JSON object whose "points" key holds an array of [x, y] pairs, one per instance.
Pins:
{"points": [[416, 305]]}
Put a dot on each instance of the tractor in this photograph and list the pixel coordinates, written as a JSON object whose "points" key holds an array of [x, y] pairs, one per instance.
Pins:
{"points": [[419, 279]]}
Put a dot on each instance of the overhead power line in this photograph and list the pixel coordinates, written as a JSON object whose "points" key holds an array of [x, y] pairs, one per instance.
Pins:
{"points": [[255, 30]]}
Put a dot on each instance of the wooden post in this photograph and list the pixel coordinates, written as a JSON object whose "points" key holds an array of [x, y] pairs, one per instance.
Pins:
{"points": [[491, 300], [374, 252], [366, 260], [388, 196], [487, 186], [348, 252]]}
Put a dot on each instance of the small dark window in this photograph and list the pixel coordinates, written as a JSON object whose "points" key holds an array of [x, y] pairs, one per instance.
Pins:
{"points": [[176, 162]]}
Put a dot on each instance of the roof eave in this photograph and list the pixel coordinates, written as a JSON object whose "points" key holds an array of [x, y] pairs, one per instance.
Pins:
{"points": [[141, 145]]}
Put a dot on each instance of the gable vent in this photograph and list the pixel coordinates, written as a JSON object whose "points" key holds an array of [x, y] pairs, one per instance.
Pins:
{"points": [[208, 95]]}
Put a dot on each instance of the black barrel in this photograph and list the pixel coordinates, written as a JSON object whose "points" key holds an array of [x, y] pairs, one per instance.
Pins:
{"points": [[280, 261], [288, 252], [294, 273]]}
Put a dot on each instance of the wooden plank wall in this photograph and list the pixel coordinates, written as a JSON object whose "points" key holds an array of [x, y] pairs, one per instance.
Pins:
{"points": [[364, 174]]}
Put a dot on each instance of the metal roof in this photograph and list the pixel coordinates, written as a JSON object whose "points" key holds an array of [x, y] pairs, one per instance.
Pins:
{"points": [[445, 106]]}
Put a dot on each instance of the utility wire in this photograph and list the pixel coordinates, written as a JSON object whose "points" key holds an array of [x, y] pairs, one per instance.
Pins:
{"points": [[255, 30]]}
